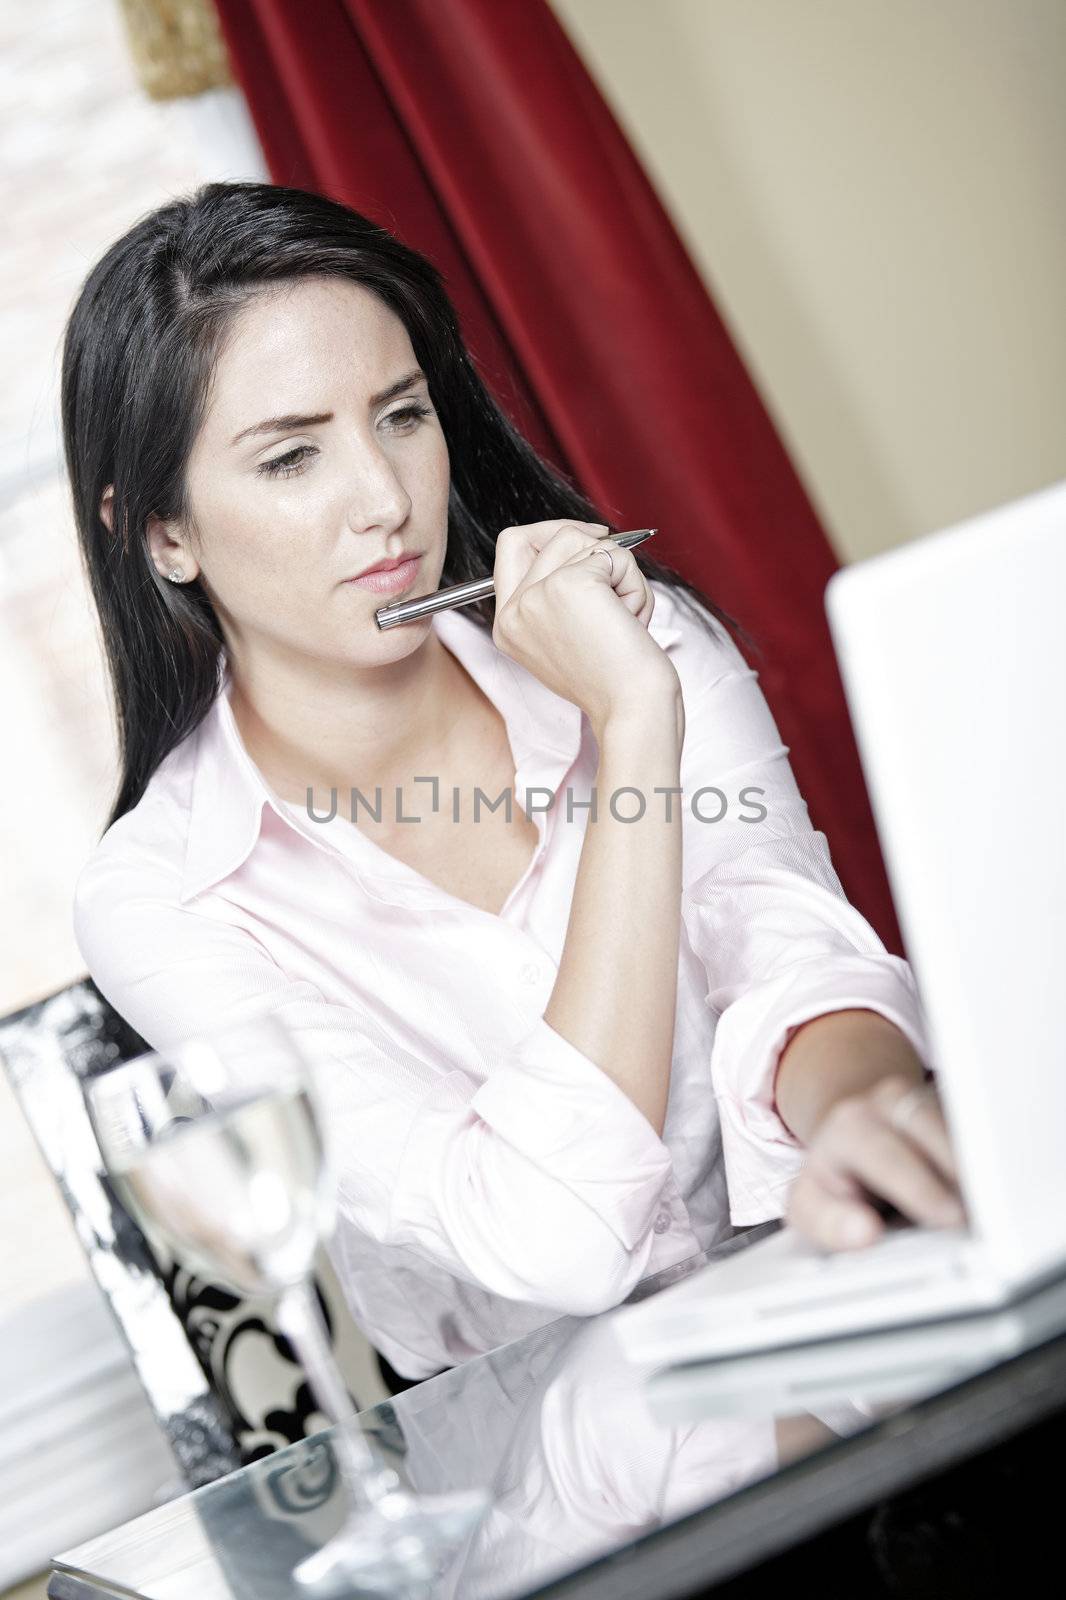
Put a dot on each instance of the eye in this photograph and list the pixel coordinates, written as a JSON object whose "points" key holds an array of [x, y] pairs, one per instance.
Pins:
{"points": [[288, 464], [412, 414]]}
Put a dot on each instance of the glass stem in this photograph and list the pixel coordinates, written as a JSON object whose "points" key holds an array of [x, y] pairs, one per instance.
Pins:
{"points": [[300, 1320]]}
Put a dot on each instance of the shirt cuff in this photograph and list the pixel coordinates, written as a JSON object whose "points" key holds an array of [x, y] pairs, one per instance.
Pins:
{"points": [[762, 1157], [555, 1105]]}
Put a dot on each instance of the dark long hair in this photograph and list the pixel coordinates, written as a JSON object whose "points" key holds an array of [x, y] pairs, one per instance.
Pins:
{"points": [[138, 353]]}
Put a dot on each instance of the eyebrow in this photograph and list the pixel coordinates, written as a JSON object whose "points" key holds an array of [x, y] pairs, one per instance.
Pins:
{"points": [[291, 422]]}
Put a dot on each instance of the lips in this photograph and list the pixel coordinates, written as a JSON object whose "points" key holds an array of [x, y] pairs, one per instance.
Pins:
{"points": [[388, 565], [390, 577]]}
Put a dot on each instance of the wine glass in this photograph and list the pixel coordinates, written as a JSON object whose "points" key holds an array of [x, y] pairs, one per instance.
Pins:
{"points": [[217, 1147]]}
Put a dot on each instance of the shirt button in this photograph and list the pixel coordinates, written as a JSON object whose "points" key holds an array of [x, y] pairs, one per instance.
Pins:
{"points": [[662, 1222], [530, 972]]}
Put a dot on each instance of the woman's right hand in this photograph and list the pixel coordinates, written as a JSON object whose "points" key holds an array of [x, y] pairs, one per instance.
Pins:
{"points": [[579, 622]]}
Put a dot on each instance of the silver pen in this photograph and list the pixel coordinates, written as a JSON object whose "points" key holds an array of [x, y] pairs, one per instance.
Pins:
{"points": [[464, 594]]}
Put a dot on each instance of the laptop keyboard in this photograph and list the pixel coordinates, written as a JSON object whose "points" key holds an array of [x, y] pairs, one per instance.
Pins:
{"points": [[898, 1248]]}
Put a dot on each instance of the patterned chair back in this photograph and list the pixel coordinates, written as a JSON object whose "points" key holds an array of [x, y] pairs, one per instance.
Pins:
{"points": [[224, 1384]]}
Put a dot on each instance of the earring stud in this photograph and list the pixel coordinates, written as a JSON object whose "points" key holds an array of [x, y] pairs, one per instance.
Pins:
{"points": [[176, 574]]}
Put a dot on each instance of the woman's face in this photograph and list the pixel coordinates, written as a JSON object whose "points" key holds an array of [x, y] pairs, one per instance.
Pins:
{"points": [[303, 474]]}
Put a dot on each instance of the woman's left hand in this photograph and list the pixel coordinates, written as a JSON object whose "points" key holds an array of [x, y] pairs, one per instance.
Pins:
{"points": [[887, 1144]]}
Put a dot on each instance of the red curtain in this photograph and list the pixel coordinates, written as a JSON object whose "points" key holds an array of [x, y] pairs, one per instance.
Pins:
{"points": [[473, 132]]}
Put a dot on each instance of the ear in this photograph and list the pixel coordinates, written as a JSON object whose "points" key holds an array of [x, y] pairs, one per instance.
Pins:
{"points": [[169, 552]]}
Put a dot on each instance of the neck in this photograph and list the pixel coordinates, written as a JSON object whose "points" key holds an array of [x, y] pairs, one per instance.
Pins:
{"points": [[361, 728]]}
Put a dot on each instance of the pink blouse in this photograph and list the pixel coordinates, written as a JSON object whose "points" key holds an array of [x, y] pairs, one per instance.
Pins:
{"points": [[491, 1176]]}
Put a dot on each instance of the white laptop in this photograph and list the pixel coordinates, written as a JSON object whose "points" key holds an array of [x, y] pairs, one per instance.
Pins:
{"points": [[861, 1370], [952, 649]]}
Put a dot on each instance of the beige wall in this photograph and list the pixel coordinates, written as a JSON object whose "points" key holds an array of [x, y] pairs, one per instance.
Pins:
{"points": [[875, 191]]}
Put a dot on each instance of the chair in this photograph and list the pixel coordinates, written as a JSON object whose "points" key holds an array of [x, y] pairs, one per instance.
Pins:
{"points": [[223, 1383]]}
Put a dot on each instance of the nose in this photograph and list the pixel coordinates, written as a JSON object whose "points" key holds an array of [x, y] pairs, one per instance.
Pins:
{"points": [[380, 501]]}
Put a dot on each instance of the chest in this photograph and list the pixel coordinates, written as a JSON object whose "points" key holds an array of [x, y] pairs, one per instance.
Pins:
{"points": [[470, 851]]}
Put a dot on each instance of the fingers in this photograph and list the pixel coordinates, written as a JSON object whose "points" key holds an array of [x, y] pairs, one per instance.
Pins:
{"points": [[906, 1165], [528, 552], [831, 1210], [858, 1156], [925, 1125], [569, 541], [621, 572]]}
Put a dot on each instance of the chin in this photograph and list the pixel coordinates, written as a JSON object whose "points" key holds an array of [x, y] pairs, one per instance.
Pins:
{"points": [[395, 643]]}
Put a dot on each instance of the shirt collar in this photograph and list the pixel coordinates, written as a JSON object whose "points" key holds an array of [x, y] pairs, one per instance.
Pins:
{"points": [[229, 791]]}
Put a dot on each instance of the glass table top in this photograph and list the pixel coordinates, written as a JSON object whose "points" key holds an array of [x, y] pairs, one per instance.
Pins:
{"points": [[585, 1454]]}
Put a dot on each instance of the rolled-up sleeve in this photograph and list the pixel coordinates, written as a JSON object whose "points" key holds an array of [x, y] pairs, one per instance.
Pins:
{"points": [[573, 1097], [539, 1184], [766, 914]]}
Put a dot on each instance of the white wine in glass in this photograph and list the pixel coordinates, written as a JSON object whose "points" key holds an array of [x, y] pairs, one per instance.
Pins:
{"points": [[216, 1148]]}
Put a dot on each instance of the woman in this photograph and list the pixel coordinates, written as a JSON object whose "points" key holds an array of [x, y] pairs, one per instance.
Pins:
{"points": [[550, 1037]]}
